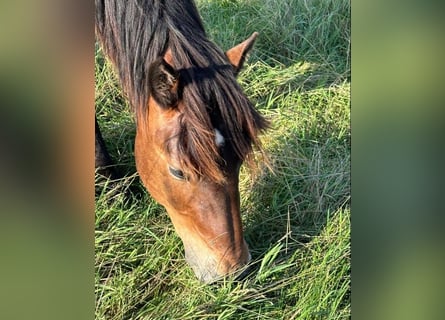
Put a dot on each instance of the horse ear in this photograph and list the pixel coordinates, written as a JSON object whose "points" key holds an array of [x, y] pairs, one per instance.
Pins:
{"points": [[163, 82], [238, 54]]}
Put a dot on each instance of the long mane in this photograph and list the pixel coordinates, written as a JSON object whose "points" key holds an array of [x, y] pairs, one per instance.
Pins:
{"points": [[134, 33]]}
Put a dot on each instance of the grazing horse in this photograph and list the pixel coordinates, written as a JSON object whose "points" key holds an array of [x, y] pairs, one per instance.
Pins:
{"points": [[195, 126]]}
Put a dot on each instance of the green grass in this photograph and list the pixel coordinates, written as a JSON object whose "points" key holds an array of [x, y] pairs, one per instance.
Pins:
{"points": [[296, 218]]}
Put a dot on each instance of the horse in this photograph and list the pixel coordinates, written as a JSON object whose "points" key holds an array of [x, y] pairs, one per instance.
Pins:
{"points": [[194, 124]]}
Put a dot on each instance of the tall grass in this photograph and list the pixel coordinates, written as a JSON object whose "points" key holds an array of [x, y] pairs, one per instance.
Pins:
{"points": [[296, 217]]}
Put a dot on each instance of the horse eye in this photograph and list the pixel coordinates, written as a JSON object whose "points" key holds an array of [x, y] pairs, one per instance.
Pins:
{"points": [[176, 173]]}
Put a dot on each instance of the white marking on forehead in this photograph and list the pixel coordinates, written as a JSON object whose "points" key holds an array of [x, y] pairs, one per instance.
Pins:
{"points": [[219, 139]]}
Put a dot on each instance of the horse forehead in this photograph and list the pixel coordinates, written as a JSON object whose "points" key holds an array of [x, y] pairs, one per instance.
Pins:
{"points": [[219, 138]]}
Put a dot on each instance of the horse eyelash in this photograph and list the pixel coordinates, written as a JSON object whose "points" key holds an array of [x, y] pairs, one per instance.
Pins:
{"points": [[176, 173]]}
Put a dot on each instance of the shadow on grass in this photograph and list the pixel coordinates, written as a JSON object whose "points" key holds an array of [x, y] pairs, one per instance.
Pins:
{"points": [[291, 205], [309, 148]]}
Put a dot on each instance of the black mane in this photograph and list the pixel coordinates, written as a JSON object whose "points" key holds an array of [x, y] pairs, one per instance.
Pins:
{"points": [[134, 33]]}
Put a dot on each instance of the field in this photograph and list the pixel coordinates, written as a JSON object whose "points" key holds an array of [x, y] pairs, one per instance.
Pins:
{"points": [[296, 216]]}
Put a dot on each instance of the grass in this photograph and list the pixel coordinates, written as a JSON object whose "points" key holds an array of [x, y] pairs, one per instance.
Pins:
{"points": [[296, 218]]}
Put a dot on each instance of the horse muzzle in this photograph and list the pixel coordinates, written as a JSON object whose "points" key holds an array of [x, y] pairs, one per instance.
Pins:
{"points": [[209, 269]]}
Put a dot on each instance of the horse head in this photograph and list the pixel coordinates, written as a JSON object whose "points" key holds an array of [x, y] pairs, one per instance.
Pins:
{"points": [[188, 156]]}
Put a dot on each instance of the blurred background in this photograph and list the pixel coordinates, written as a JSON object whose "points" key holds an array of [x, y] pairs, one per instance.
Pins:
{"points": [[46, 159]]}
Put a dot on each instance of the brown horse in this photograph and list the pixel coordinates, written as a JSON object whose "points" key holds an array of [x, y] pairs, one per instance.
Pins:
{"points": [[195, 126]]}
